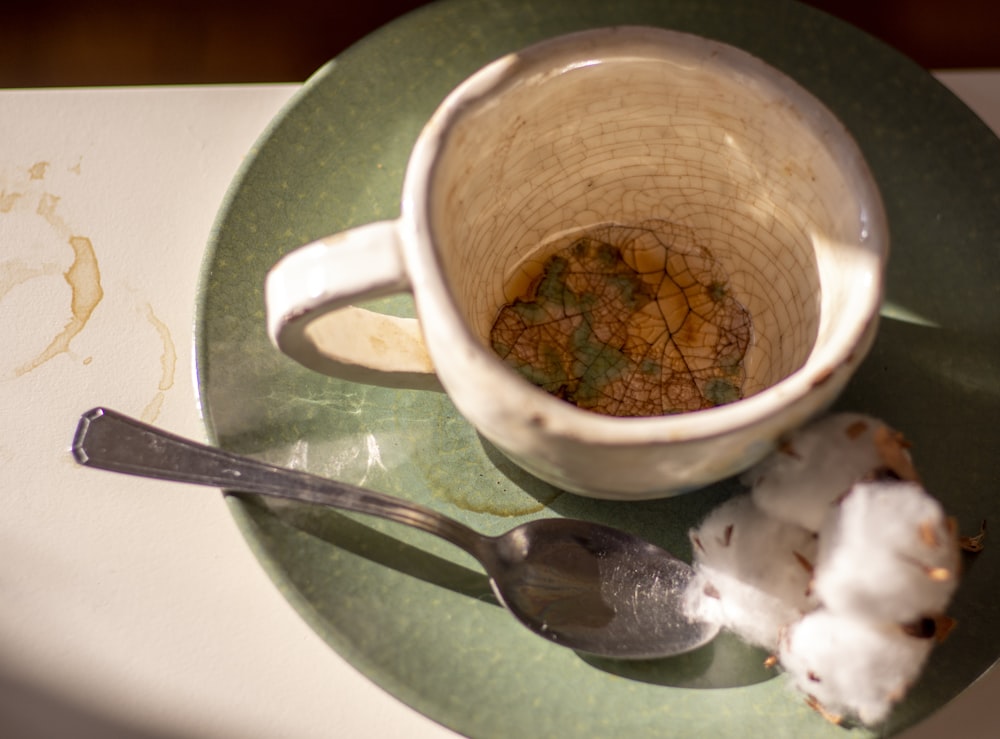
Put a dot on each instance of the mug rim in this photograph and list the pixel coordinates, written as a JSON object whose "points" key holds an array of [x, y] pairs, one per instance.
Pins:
{"points": [[465, 366]]}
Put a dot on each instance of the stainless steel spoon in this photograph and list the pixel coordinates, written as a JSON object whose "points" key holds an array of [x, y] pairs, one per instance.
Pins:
{"points": [[582, 585]]}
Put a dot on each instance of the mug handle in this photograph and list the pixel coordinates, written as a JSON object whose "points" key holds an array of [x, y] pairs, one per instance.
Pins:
{"points": [[308, 296]]}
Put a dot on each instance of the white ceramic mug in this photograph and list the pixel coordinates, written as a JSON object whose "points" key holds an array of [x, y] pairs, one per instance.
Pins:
{"points": [[612, 129]]}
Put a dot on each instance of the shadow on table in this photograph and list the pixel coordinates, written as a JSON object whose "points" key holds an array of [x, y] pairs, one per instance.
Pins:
{"points": [[30, 712]]}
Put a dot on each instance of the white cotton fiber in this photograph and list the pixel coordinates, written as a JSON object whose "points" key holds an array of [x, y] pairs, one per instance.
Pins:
{"points": [[852, 666], [820, 463], [887, 553], [838, 561], [754, 571]]}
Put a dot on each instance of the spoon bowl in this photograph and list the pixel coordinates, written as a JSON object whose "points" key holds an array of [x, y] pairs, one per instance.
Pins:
{"points": [[583, 585], [595, 589]]}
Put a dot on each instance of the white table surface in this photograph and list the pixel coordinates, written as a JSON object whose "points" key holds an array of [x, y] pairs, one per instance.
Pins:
{"points": [[130, 608]]}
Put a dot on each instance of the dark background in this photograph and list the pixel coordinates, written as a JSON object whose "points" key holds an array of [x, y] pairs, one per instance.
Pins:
{"points": [[46, 43]]}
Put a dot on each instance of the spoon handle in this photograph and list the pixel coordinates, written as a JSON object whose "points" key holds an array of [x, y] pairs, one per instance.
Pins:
{"points": [[111, 441]]}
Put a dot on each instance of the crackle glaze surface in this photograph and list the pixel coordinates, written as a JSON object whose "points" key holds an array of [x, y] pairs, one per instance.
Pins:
{"points": [[415, 616]]}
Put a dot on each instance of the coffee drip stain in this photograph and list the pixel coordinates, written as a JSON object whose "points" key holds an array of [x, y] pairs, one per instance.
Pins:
{"points": [[16, 273], [83, 278], [8, 200], [30, 197], [499, 502], [168, 366], [449, 456], [37, 170]]}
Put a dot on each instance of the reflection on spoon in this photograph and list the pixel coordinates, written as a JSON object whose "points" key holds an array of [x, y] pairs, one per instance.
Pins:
{"points": [[582, 585]]}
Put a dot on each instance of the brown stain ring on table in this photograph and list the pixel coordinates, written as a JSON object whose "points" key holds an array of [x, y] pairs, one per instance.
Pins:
{"points": [[168, 366], [83, 278]]}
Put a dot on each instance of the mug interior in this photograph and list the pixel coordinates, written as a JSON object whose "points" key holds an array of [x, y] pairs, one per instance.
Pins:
{"points": [[636, 131]]}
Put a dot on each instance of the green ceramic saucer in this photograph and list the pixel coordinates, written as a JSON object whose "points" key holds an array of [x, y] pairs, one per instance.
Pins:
{"points": [[417, 617]]}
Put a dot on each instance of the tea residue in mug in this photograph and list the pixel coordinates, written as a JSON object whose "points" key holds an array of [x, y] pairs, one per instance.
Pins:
{"points": [[626, 321]]}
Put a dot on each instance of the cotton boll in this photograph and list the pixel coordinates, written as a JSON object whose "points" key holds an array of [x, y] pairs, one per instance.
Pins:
{"points": [[887, 553], [755, 615], [754, 571], [819, 463], [852, 666], [838, 561]]}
